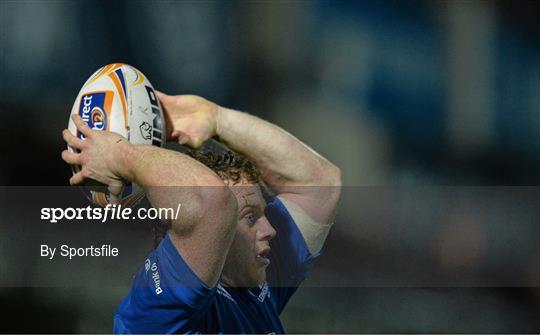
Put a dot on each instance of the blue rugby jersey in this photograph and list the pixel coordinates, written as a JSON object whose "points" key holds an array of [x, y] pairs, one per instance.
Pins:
{"points": [[168, 297]]}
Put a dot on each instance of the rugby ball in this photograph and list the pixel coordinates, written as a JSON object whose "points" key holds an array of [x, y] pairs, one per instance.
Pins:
{"points": [[119, 98]]}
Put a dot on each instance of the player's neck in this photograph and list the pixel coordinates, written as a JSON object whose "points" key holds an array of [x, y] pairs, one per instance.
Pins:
{"points": [[229, 282], [225, 281]]}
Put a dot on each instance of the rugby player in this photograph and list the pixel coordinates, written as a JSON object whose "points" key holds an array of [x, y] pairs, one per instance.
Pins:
{"points": [[230, 262]]}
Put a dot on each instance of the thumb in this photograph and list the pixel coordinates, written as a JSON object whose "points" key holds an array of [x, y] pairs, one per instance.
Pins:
{"points": [[181, 137], [195, 142], [115, 193], [163, 98], [159, 93]]}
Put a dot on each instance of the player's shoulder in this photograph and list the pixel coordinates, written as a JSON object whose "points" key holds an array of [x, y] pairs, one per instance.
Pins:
{"points": [[165, 278], [164, 281]]}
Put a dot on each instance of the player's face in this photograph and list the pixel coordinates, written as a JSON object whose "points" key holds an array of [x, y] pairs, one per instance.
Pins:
{"points": [[248, 256]]}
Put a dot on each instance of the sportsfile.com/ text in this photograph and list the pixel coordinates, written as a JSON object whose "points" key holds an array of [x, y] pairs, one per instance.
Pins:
{"points": [[109, 212]]}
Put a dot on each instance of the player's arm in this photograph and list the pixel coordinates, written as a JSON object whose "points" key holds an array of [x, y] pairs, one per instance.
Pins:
{"points": [[208, 208], [308, 184], [288, 167]]}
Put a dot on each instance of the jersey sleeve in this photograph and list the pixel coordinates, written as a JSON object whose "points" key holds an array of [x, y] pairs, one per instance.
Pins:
{"points": [[290, 259], [166, 297]]}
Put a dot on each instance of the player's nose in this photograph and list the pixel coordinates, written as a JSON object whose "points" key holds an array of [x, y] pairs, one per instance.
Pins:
{"points": [[265, 231]]}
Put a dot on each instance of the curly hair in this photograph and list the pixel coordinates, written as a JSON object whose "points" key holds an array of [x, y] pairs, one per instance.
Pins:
{"points": [[228, 165]]}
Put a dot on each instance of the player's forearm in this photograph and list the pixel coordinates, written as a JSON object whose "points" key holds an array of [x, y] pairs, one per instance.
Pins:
{"points": [[284, 161], [151, 166]]}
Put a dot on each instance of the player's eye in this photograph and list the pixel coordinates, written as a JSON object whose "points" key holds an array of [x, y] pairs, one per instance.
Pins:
{"points": [[251, 218]]}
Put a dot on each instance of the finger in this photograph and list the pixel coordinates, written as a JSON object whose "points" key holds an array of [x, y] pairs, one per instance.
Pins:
{"points": [[77, 179], [71, 157], [115, 193], [81, 125], [194, 142], [174, 136], [72, 140], [181, 137]]}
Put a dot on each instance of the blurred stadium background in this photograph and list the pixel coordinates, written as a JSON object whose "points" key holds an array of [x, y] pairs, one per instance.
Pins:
{"points": [[404, 94]]}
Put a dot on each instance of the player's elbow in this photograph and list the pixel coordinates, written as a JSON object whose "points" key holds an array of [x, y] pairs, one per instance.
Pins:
{"points": [[221, 200], [210, 204], [325, 174], [333, 176], [327, 184], [330, 176], [333, 182]]}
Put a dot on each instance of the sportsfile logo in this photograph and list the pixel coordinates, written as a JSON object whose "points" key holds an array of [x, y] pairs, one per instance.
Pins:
{"points": [[94, 109], [109, 212]]}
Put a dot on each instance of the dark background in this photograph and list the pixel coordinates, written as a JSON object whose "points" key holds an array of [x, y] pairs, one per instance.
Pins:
{"points": [[402, 94]]}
